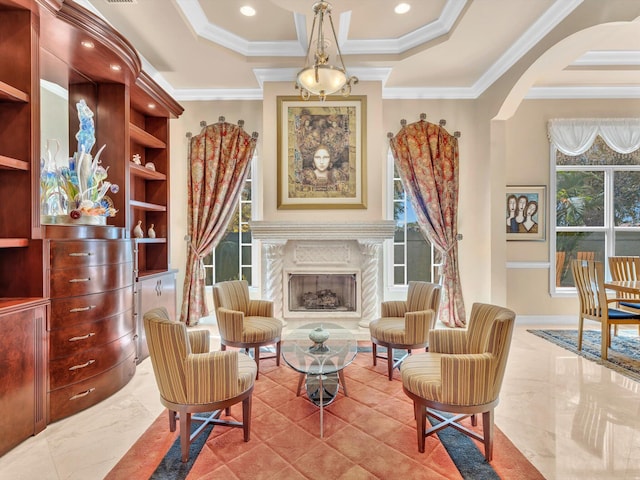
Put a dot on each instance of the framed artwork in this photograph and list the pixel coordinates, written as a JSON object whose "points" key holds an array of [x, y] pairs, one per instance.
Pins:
{"points": [[525, 212], [321, 151]]}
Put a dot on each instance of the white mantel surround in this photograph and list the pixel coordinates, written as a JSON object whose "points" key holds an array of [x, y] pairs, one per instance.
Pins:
{"points": [[293, 246]]}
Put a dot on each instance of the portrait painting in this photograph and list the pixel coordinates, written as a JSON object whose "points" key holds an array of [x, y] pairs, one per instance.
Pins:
{"points": [[525, 212], [320, 153]]}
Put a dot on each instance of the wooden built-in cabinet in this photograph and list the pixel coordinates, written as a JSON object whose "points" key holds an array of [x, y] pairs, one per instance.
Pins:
{"points": [[68, 307], [23, 379], [92, 334], [156, 290]]}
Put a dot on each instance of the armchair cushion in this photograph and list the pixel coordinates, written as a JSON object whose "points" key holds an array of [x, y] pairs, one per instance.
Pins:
{"points": [[217, 376], [451, 379]]}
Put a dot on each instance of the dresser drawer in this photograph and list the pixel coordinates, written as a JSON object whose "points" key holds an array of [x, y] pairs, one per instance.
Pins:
{"points": [[69, 282], [74, 310], [89, 362], [73, 398], [78, 253], [79, 337]]}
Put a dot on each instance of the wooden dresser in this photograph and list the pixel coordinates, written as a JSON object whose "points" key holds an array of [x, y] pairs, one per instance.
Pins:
{"points": [[92, 334]]}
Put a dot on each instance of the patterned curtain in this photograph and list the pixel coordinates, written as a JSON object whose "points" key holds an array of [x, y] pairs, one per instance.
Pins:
{"points": [[426, 157], [219, 159]]}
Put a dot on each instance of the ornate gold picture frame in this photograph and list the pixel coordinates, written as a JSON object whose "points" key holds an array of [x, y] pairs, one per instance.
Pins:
{"points": [[321, 151]]}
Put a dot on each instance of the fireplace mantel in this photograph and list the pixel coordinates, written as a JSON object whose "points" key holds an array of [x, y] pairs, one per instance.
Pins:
{"points": [[381, 230], [302, 247]]}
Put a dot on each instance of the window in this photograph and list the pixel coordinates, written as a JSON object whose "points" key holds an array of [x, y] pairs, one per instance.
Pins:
{"points": [[413, 255], [597, 207], [232, 259]]}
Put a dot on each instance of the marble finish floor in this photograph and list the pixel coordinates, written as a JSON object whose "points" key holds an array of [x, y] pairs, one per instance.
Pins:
{"points": [[571, 417]]}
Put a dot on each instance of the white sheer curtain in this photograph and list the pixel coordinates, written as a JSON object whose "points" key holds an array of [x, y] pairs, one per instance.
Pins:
{"points": [[573, 136]]}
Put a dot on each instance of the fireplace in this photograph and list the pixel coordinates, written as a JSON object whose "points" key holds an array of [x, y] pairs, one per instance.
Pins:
{"points": [[323, 292], [341, 260]]}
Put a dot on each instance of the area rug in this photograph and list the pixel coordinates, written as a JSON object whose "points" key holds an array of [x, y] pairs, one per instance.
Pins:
{"points": [[624, 352], [369, 434]]}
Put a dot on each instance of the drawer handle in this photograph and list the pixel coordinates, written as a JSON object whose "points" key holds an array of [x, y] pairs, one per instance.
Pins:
{"points": [[81, 309], [84, 337], [76, 280], [80, 254], [83, 394], [77, 367]]}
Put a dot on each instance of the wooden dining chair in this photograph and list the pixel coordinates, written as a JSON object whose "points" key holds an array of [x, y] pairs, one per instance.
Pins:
{"points": [[594, 304], [560, 257], [626, 269]]}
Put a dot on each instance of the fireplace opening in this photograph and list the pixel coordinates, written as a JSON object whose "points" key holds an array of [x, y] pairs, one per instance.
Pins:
{"points": [[321, 292]]}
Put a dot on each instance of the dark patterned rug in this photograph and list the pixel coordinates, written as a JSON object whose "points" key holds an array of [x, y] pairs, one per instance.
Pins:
{"points": [[624, 353]]}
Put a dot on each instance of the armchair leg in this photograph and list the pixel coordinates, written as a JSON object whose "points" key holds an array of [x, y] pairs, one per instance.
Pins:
{"points": [[172, 421], [374, 350], [390, 362], [278, 352], [185, 434], [246, 417], [487, 427], [421, 420]]}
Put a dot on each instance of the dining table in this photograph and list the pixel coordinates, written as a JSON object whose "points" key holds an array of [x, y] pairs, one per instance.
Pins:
{"points": [[624, 286]]}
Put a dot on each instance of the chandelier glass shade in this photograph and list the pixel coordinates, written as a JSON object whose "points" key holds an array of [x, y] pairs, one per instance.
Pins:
{"points": [[321, 78]]}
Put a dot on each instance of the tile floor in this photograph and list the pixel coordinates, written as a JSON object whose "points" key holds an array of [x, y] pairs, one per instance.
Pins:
{"points": [[572, 418]]}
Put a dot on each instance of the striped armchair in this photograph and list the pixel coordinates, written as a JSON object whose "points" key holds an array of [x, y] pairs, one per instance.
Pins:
{"points": [[461, 374], [193, 380], [245, 323], [405, 324]]}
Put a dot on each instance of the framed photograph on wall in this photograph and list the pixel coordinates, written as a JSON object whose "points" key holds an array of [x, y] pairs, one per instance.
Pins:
{"points": [[321, 152], [525, 212]]}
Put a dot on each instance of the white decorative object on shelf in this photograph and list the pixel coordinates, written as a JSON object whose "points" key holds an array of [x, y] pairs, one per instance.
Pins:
{"points": [[151, 233], [150, 166], [136, 159], [137, 230]]}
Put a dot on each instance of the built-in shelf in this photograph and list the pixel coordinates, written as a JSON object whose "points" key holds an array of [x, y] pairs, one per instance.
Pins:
{"points": [[146, 173], [14, 242], [8, 163], [152, 207], [151, 240], [11, 94], [148, 273], [144, 138]]}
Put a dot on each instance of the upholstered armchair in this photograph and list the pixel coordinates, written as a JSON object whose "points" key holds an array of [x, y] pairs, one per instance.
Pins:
{"points": [[461, 374], [193, 380], [243, 322], [405, 324]]}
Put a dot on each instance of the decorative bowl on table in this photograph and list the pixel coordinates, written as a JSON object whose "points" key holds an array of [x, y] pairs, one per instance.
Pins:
{"points": [[318, 336]]}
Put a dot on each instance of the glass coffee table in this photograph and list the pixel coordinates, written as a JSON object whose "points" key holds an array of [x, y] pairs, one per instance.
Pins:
{"points": [[320, 364]]}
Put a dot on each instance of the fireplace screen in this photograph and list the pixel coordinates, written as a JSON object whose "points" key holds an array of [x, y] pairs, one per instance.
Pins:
{"points": [[321, 292]]}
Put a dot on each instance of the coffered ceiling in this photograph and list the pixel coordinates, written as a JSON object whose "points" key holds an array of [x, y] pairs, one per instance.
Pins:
{"points": [[206, 49]]}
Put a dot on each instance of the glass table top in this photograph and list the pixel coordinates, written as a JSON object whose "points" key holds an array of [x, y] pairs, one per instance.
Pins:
{"points": [[331, 356]]}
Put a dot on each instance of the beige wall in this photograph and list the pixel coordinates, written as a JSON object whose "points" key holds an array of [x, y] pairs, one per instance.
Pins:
{"points": [[528, 152], [492, 155]]}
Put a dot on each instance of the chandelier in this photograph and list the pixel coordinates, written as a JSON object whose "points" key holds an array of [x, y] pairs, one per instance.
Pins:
{"points": [[322, 78]]}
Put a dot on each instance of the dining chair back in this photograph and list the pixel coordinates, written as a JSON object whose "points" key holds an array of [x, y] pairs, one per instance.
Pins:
{"points": [[594, 303], [626, 269]]}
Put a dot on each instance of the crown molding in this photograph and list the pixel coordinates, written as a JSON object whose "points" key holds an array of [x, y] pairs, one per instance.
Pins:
{"points": [[579, 92]]}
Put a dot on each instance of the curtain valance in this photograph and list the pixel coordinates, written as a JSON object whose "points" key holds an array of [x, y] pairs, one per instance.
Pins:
{"points": [[573, 136]]}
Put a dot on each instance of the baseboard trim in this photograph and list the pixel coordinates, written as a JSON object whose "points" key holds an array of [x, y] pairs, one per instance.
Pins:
{"points": [[547, 320]]}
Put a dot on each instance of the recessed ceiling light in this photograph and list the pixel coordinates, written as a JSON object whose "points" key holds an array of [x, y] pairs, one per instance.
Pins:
{"points": [[402, 8], [116, 68], [87, 44], [248, 11], [152, 105]]}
